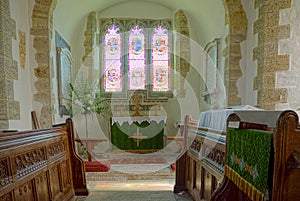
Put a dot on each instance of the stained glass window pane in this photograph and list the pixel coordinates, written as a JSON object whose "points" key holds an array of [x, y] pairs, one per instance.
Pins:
{"points": [[112, 60], [136, 59], [160, 60]]}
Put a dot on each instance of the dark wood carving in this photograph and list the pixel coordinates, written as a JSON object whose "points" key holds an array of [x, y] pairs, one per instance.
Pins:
{"points": [[203, 166], [39, 164]]}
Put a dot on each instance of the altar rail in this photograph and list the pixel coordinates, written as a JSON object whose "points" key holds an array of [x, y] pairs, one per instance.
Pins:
{"points": [[41, 165], [200, 169]]}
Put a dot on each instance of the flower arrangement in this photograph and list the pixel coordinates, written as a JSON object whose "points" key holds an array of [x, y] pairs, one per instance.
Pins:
{"points": [[87, 99]]}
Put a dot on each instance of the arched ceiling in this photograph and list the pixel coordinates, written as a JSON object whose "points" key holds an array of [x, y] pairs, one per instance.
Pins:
{"points": [[205, 16]]}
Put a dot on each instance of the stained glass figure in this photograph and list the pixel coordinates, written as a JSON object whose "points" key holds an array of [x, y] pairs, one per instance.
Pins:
{"points": [[160, 60], [136, 59], [112, 60]]}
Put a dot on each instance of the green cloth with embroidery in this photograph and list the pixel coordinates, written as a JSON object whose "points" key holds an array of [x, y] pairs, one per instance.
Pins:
{"points": [[154, 133], [248, 155]]}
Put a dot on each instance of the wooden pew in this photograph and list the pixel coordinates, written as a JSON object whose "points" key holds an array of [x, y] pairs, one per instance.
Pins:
{"points": [[41, 165], [200, 169], [284, 167]]}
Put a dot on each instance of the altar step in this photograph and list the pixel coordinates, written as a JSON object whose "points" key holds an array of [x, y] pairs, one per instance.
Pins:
{"points": [[125, 174]]}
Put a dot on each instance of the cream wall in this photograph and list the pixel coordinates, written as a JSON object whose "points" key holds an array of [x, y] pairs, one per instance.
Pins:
{"points": [[193, 103], [71, 24], [19, 11], [290, 78], [248, 66]]}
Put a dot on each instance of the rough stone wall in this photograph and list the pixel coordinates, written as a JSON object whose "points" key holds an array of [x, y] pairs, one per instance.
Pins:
{"points": [[91, 38], [9, 108], [290, 78], [182, 52], [269, 62], [237, 20], [42, 31]]}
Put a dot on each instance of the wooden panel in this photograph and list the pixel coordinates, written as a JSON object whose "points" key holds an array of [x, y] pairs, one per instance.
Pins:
{"points": [[42, 188], [25, 192], [65, 175], [54, 179], [7, 197]]}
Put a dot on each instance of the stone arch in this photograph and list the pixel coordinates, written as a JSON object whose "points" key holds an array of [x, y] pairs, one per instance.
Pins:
{"points": [[41, 30]]}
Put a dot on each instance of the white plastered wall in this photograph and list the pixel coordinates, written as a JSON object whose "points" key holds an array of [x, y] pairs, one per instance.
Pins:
{"points": [[248, 66], [19, 11], [290, 79]]}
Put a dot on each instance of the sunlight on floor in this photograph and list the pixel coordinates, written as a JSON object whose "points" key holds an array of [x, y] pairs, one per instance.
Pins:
{"points": [[140, 185]]}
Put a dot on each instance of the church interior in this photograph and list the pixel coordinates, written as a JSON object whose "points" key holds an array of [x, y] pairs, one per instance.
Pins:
{"points": [[149, 100]]}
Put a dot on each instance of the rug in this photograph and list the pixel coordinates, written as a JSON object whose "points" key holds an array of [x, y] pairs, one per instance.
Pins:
{"points": [[138, 161], [96, 166]]}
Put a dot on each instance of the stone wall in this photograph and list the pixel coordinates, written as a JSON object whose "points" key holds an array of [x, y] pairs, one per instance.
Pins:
{"points": [[269, 62], [9, 108]]}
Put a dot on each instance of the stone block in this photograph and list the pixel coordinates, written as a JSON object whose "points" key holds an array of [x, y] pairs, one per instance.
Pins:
{"points": [[11, 72], [41, 43], [4, 7], [42, 72], [3, 109], [13, 110], [42, 97], [7, 89], [4, 124], [42, 84], [42, 57], [39, 31]]}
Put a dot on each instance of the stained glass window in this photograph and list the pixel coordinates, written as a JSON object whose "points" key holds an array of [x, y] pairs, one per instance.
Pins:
{"points": [[136, 59], [112, 60], [160, 60]]}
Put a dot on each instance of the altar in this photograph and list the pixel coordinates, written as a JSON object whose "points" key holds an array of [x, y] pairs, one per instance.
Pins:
{"points": [[138, 133]]}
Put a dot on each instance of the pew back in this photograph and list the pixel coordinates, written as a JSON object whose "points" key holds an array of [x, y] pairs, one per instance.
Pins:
{"points": [[38, 165], [284, 168]]}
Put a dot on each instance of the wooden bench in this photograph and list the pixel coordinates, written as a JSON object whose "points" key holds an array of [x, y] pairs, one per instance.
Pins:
{"points": [[200, 169], [41, 165], [284, 167]]}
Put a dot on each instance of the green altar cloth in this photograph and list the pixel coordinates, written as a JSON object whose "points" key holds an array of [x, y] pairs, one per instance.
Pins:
{"points": [[138, 136], [247, 160]]}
